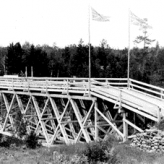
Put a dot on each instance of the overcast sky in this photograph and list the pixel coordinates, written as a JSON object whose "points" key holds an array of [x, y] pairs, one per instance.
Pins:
{"points": [[65, 22]]}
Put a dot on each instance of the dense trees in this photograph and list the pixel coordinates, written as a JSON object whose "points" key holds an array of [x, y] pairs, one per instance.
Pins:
{"points": [[13, 60], [145, 64], [3, 54]]}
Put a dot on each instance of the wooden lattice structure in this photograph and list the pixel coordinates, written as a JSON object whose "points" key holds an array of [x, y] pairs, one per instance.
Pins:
{"points": [[67, 110]]}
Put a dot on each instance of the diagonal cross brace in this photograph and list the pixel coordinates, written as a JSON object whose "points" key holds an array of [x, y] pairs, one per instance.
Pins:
{"points": [[8, 108], [58, 117], [79, 118], [39, 117]]}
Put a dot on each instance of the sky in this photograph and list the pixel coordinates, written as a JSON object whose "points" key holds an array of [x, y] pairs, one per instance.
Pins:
{"points": [[65, 22]]}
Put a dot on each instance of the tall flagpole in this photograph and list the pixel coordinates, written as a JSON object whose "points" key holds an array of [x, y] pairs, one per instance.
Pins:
{"points": [[89, 81], [128, 72]]}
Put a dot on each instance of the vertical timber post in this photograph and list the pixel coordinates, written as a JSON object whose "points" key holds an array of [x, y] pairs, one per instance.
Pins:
{"points": [[134, 118], [26, 71], [96, 119], [159, 114], [125, 127], [32, 71]]}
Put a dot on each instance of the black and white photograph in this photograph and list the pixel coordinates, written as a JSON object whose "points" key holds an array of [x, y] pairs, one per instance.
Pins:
{"points": [[81, 82]]}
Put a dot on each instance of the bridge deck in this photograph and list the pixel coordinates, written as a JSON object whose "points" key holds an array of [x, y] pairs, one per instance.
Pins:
{"points": [[140, 97]]}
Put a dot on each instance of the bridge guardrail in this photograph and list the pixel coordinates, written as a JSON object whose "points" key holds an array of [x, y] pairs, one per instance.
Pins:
{"points": [[115, 82], [132, 101], [147, 89], [79, 84], [65, 83]]}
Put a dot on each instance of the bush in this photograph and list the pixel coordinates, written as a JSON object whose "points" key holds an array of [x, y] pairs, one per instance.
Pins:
{"points": [[21, 130], [102, 151], [1, 137], [20, 125], [7, 141], [95, 151], [32, 140]]}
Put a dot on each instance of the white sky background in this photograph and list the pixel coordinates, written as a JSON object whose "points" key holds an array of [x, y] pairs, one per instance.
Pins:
{"points": [[65, 22]]}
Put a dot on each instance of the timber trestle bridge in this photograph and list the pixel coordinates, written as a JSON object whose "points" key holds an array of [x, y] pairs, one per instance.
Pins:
{"points": [[71, 110]]}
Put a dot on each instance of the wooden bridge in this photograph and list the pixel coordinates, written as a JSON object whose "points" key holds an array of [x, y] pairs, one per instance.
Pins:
{"points": [[74, 110]]}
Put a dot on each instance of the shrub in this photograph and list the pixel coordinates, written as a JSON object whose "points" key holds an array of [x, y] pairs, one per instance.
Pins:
{"points": [[20, 125], [1, 137], [102, 151], [32, 140], [22, 129], [95, 151], [7, 141]]}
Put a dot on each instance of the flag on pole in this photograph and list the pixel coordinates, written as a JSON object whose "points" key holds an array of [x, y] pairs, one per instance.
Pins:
{"points": [[138, 21], [98, 17]]}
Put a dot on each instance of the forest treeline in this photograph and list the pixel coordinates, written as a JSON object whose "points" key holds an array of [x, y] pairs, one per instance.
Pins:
{"points": [[146, 64]]}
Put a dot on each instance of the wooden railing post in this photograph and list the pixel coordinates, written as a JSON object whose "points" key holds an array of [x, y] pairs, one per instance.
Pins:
{"points": [[13, 83], [46, 86], [67, 85], [106, 81], [28, 83], [161, 94]]}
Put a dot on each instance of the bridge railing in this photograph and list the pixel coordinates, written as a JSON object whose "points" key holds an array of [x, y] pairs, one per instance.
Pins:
{"points": [[77, 84], [115, 82], [31, 83], [147, 89], [66, 83]]}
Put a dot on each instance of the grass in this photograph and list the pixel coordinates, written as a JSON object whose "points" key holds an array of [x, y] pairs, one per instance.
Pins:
{"points": [[117, 153], [132, 155], [123, 153], [70, 149]]}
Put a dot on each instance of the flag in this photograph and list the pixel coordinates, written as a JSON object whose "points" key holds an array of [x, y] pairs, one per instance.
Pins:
{"points": [[98, 17], [138, 21]]}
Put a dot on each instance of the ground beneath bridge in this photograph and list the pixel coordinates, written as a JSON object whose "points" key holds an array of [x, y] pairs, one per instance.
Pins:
{"points": [[43, 155]]}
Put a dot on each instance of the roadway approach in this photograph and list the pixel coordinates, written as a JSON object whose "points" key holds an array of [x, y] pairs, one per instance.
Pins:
{"points": [[71, 110]]}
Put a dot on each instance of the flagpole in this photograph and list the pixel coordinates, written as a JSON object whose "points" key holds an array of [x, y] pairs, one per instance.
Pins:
{"points": [[128, 72], [89, 81], [96, 16]]}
